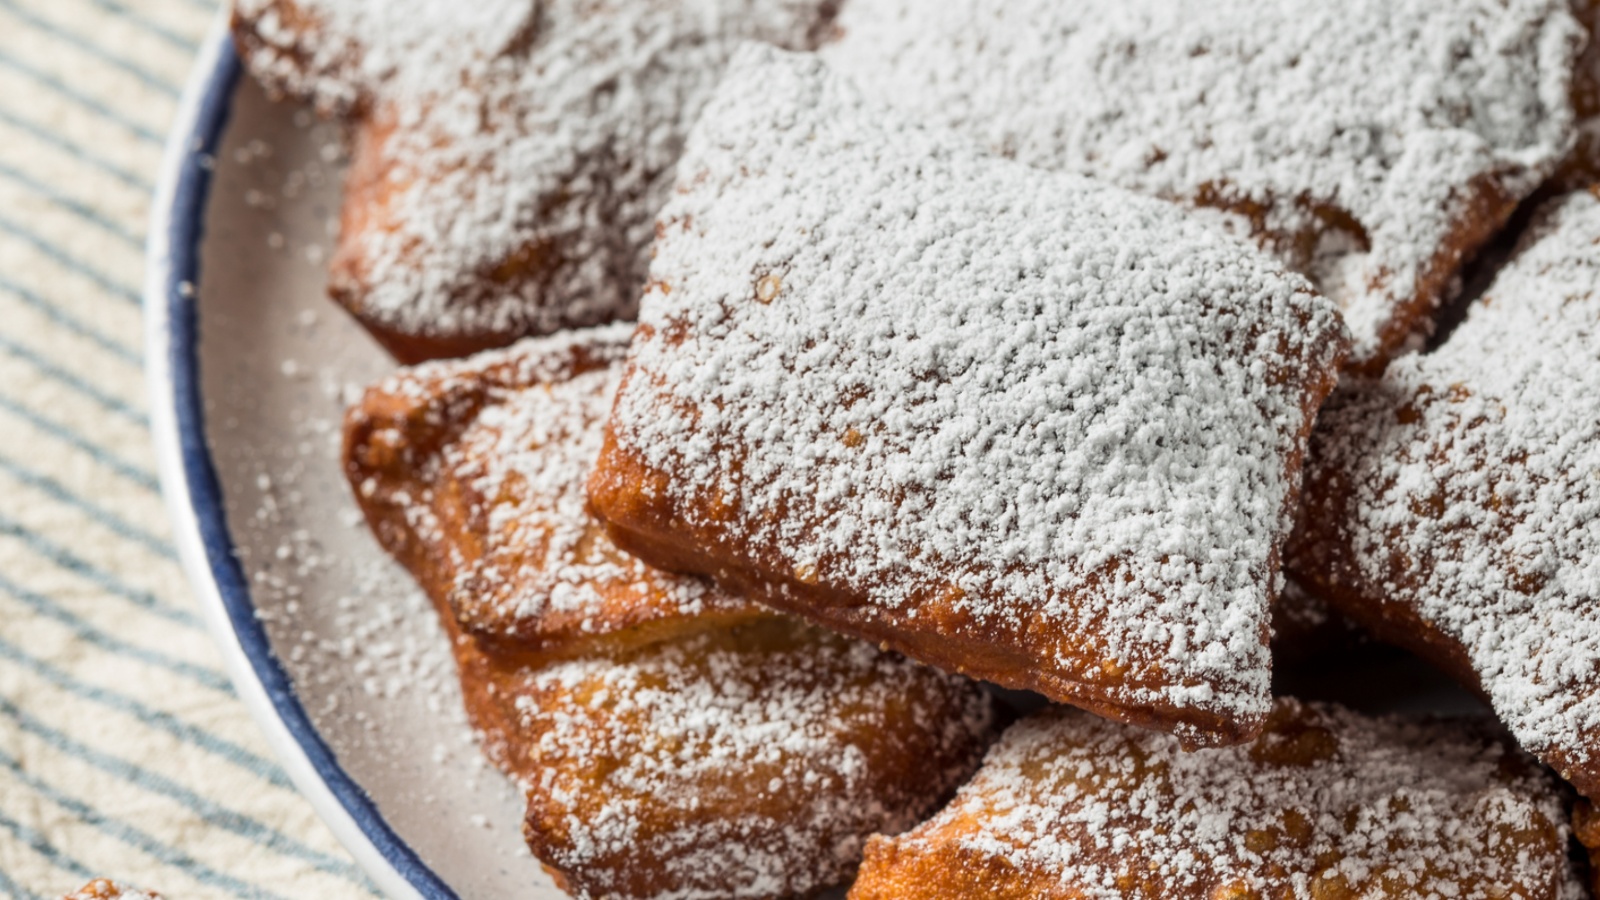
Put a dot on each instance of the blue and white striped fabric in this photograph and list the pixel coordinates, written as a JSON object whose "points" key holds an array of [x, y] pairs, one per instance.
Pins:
{"points": [[123, 751]]}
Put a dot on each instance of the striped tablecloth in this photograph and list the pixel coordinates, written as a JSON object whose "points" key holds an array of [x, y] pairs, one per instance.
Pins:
{"points": [[123, 750]]}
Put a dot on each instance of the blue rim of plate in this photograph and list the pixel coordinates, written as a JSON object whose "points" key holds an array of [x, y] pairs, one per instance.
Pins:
{"points": [[195, 493]]}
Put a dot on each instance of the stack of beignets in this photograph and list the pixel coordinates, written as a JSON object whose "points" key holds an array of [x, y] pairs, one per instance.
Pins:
{"points": [[673, 740], [994, 334]]}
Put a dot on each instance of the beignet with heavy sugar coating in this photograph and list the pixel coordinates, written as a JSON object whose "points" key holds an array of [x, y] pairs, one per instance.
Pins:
{"points": [[1015, 424], [1453, 506], [1373, 146], [509, 159], [471, 473], [750, 762], [1325, 805]]}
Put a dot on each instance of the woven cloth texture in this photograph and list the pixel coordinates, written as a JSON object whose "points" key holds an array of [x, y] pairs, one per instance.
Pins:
{"points": [[123, 749]]}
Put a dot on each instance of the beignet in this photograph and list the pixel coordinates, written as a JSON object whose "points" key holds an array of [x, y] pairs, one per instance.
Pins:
{"points": [[1453, 506], [1015, 424], [510, 157], [740, 763], [471, 473], [1325, 805], [1371, 145]]}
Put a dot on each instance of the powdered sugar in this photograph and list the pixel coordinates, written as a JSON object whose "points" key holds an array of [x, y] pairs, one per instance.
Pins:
{"points": [[1464, 488], [534, 455], [1326, 804], [986, 399], [524, 151], [1373, 143], [747, 764]]}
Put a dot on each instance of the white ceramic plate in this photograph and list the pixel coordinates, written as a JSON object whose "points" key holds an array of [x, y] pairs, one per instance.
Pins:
{"points": [[332, 647]]}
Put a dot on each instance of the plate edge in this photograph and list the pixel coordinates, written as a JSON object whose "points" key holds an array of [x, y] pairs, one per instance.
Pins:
{"points": [[193, 495]]}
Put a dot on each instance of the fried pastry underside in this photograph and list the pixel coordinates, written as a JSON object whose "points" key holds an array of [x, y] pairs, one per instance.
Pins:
{"points": [[1452, 508], [923, 453], [1325, 805], [508, 157], [1006, 653]]}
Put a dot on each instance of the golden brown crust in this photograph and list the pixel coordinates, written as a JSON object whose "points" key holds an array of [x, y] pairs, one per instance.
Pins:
{"points": [[1581, 168], [456, 467], [745, 762], [1320, 560], [642, 520], [1480, 210], [372, 184], [1324, 805], [1399, 624]]}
